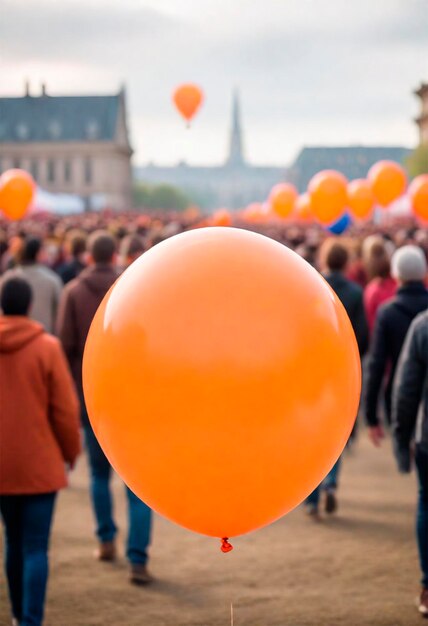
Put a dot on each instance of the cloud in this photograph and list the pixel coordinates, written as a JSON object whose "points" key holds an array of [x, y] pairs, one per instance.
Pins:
{"points": [[308, 71], [46, 29]]}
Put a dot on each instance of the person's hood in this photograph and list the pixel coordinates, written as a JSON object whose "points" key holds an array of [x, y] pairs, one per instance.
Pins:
{"points": [[98, 278], [412, 298], [17, 331]]}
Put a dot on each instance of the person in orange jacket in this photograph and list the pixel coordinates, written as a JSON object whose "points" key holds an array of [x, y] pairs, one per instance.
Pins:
{"points": [[40, 435]]}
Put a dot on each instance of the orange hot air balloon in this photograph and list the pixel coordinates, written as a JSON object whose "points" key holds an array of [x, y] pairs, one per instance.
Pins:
{"points": [[282, 199], [188, 98], [221, 217], [418, 192], [388, 180], [16, 193], [222, 379], [303, 208], [328, 192], [361, 199]]}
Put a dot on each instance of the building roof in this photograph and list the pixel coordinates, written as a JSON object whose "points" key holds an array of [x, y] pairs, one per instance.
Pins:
{"points": [[59, 118], [352, 161]]}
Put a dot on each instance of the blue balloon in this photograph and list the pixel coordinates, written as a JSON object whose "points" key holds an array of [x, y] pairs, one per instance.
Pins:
{"points": [[339, 227]]}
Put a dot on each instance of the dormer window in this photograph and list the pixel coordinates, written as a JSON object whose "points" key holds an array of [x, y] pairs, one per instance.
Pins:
{"points": [[54, 129], [22, 131], [92, 129]]}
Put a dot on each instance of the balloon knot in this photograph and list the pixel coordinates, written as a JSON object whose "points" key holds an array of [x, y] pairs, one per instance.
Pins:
{"points": [[225, 545]]}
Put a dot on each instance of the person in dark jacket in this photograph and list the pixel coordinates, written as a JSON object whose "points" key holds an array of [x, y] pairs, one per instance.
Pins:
{"points": [[409, 268], [80, 300], [409, 418], [333, 262], [72, 268]]}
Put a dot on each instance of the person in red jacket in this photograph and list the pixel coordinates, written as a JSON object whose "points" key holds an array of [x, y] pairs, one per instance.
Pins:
{"points": [[39, 435], [382, 286]]}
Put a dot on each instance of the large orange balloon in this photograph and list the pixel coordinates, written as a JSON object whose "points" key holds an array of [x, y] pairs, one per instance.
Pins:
{"points": [[188, 98], [418, 192], [282, 199], [303, 208], [222, 379], [328, 191], [361, 199], [16, 193], [388, 180]]}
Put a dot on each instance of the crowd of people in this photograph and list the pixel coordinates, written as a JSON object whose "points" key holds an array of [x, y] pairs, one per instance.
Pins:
{"points": [[54, 273]]}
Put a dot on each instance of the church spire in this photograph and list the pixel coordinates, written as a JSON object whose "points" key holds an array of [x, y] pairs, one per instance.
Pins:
{"points": [[236, 156]]}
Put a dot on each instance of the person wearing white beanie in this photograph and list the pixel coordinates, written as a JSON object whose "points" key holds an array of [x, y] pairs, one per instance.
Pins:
{"points": [[408, 264], [409, 268]]}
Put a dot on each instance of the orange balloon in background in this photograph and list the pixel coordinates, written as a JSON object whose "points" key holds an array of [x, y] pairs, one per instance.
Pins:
{"points": [[222, 217], [388, 180], [192, 212], [303, 208], [361, 199], [255, 213], [17, 189], [328, 192], [188, 98], [222, 379], [418, 192], [282, 199]]}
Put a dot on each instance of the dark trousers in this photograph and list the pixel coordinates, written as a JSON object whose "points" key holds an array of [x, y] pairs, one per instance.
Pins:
{"points": [[329, 482], [27, 522], [139, 514], [422, 515]]}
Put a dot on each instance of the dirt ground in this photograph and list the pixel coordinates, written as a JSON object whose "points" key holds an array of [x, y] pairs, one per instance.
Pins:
{"points": [[359, 568]]}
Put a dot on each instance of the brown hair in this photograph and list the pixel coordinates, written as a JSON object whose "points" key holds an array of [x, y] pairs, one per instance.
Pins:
{"points": [[132, 246], [333, 255], [102, 246], [377, 261], [77, 242]]}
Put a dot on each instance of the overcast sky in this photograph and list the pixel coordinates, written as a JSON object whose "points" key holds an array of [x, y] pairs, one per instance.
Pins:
{"points": [[309, 72]]}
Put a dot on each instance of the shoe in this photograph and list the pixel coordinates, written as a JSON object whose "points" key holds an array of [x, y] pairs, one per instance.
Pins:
{"points": [[423, 603], [106, 551], [311, 510], [138, 575], [330, 501]]}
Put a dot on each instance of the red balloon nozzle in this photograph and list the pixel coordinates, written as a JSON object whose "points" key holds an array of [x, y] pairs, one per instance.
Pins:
{"points": [[225, 545]]}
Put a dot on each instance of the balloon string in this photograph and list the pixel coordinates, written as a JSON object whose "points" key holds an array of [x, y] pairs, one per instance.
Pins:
{"points": [[225, 545], [232, 621]]}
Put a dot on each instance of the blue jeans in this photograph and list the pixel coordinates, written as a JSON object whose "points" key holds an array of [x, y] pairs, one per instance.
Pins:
{"points": [[27, 521], [139, 514], [422, 515], [329, 482]]}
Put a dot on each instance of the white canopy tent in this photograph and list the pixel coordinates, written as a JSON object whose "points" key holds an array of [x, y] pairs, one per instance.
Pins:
{"points": [[65, 204]]}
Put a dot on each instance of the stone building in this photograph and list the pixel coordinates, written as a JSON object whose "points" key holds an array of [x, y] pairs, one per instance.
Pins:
{"points": [[422, 120], [71, 144], [352, 161]]}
